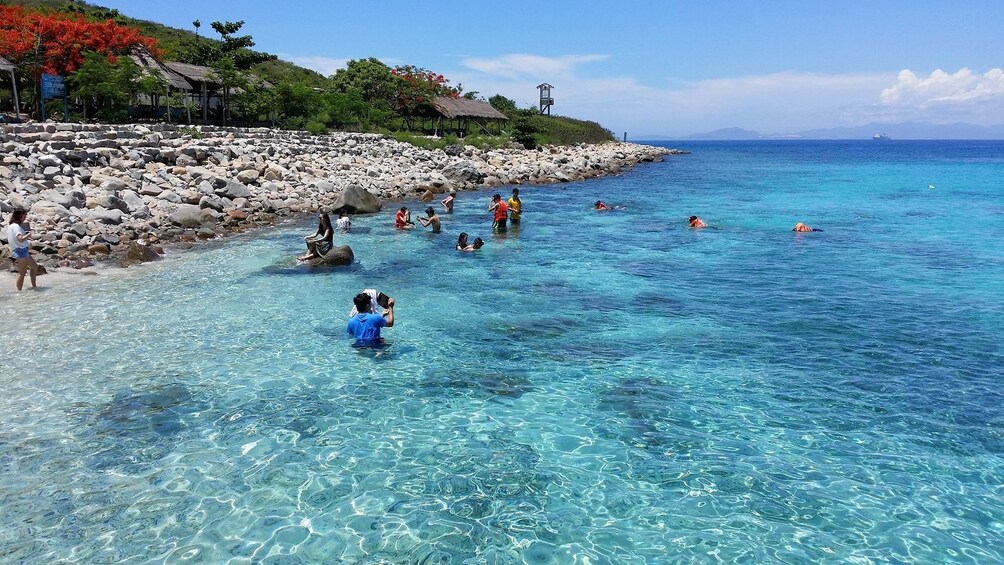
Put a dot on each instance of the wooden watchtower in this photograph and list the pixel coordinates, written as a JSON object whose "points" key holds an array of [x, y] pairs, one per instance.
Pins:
{"points": [[545, 98]]}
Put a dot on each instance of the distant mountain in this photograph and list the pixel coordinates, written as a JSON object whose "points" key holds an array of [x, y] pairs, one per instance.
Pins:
{"points": [[908, 130], [729, 134]]}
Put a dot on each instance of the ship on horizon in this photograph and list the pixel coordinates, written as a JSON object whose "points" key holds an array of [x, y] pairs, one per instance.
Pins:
{"points": [[880, 137]]}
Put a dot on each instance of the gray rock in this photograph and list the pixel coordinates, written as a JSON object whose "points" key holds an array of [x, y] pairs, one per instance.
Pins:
{"points": [[247, 176], [112, 217], [169, 196], [211, 202], [138, 253], [357, 200], [234, 190], [341, 255], [191, 216], [324, 187], [48, 209], [133, 201]]}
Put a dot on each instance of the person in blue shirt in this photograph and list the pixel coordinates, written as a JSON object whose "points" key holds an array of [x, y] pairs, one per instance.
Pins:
{"points": [[365, 326]]}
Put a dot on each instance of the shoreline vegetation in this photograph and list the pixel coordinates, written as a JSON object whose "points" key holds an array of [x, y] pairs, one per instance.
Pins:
{"points": [[117, 194]]}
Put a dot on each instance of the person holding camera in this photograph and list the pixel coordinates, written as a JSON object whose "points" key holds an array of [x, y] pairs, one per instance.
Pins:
{"points": [[365, 325]]}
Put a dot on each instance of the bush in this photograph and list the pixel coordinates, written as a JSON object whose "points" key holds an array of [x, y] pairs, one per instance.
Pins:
{"points": [[316, 128]]}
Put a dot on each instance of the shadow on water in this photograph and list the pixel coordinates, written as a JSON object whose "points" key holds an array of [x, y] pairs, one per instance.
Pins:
{"points": [[291, 267], [139, 426], [490, 384], [659, 303], [647, 408]]}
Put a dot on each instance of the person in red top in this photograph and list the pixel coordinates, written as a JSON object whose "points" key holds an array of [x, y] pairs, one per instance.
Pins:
{"points": [[501, 210], [402, 220]]}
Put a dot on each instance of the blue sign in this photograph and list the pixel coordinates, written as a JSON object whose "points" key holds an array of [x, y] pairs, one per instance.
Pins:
{"points": [[53, 87]]}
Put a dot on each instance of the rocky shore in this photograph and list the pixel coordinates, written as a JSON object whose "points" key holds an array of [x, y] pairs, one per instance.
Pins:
{"points": [[118, 193]]}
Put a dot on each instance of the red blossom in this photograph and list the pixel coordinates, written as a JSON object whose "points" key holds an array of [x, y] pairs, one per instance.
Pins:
{"points": [[61, 39]]}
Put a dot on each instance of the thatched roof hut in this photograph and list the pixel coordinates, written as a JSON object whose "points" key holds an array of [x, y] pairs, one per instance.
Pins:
{"points": [[196, 74], [461, 112], [460, 108], [148, 62]]}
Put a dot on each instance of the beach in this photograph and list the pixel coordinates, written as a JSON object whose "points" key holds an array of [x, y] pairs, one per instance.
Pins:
{"points": [[121, 193]]}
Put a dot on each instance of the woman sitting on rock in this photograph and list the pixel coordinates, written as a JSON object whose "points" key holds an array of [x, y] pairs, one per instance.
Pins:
{"points": [[320, 242]]}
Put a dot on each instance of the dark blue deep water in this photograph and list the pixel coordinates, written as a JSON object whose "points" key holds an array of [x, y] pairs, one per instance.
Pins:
{"points": [[594, 388]]}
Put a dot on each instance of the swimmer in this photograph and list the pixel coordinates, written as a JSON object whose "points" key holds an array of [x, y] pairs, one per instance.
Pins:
{"points": [[478, 244], [800, 227], [696, 222], [462, 242], [600, 205], [448, 202]]}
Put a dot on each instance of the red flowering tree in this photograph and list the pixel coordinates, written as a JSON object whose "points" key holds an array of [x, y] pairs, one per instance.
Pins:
{"points": [[55, 43], [417, 87]]}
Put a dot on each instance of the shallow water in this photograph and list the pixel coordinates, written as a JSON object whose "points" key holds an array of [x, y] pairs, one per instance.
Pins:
{"points": [[596, 387]]}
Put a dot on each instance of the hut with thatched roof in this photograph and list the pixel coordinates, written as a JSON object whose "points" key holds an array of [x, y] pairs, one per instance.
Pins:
{"points": [[7, 66], [172, 79], [203, 80], [461, 112]]}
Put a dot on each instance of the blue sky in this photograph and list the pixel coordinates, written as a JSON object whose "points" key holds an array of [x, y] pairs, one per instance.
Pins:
{"points": [[659, 68]]}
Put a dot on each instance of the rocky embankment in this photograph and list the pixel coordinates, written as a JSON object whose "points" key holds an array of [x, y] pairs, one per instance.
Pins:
{"points": [[119, 192]]}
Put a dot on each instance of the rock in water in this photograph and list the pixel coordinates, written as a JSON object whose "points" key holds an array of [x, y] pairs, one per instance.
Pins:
{"points": [[357, 200], [341, 255], [142, 253]]}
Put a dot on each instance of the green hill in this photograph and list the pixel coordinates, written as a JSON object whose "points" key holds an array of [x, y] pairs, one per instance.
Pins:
{"points": [[302, 98]]}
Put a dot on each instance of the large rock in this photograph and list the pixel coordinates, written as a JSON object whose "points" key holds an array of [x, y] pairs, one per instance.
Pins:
{"points": [[48, 209], [101, 215], [357, 200], [341, 255], [191, 216], [234, 190], [464, 171]]}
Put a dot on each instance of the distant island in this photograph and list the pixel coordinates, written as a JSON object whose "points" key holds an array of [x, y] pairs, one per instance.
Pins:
{"points": [[909, 130]]}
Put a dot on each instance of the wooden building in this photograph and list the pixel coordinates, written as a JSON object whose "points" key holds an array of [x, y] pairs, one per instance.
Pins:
{"points": [[174, 80], [456, 114], [8, 67]]}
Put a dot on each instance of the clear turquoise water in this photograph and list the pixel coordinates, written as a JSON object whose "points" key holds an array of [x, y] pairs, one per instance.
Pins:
{"points": [[598, 388]]}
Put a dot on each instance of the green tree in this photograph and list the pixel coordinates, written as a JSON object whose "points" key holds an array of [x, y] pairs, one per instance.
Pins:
{"points": [[523, 129], [503, 104], [369, 78], [94, 83]]}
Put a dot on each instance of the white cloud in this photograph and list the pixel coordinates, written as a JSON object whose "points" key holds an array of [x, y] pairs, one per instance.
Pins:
{"points": [[324, 65], [521, 65], [944, 88], [773, 103]]}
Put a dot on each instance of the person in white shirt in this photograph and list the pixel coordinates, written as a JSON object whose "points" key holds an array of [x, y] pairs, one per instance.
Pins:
{"points": [[343, 223], [17, 240]]}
